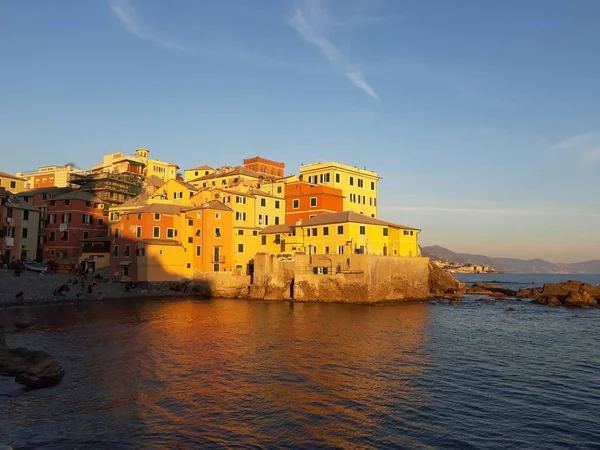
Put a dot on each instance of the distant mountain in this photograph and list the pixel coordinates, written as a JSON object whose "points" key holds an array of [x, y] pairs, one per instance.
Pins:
{"points": [[511, 264]]}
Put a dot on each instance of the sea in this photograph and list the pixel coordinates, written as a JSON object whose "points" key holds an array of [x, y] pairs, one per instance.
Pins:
{"points": [[179, 374]]}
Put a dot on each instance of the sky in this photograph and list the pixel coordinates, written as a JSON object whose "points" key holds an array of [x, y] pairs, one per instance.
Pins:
{"points": [[482, 118]]}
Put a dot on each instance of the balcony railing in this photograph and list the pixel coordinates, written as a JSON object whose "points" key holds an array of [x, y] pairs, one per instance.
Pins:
{"points": [[220, 260]]}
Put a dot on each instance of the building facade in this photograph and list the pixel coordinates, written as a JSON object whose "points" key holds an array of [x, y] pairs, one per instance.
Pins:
{"points": [[304, 200], [140, 163], [50, 176], [359, 186], [197, 172], [265, 166], [12, 183], [72, 218], [19, 228]]}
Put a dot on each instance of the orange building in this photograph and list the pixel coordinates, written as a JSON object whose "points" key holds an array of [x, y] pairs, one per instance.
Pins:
{"points": [[266, 166], [304, 200]]}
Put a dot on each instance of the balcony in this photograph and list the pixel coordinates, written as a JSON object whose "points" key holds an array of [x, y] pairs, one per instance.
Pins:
{"points": [[219, 260]]}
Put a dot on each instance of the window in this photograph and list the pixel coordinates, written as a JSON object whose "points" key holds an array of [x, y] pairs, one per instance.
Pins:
{"points": [[313, 202], [142, 252], [198, 232], [125, 271], [279, 189], [156, 232], [138, 232], [13, 184], [100, 221], [52, 203], [116, 250], [385, 231], [240, 232], [340, 229], [139, 216], [88, 204], [170, 233], [276, 220], [51, 250], [363, 229], [327, 250], [337, 177], [351, 181], [37, 181], [372, 185], [263, 240], [296, 204], [198, 250], [188, 265], [127, 250], [254, 232], [218, 216], [240, 248], [52, 236], [340, 249], [24, 233], [217, 232], [360, 183], [116, 233], [67, 202], [263, 202], [26, 214], [44, 196], [191, 222], [156, 216], [314, 231], [276, 204], [86, 234], [325, 231], [65, 236], [375, 201]]}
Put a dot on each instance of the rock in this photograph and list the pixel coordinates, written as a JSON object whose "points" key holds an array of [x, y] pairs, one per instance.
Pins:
{"points": [[580, 298], [33, 369], [550, 301], [477, 291], [569, 293], [495, 288], [440, 280], [528, 293], [498, 295], [511, 310]]}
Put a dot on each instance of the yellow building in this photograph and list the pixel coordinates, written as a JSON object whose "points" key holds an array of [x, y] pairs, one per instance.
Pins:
{"points": [[359, 186], [342, 233], [228, 176], [138, 163], [197, 172], [12, 183], [176, 191]]}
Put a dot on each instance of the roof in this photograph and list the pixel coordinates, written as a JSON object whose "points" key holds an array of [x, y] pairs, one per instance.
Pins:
{"points": [[276, 229], [161, 242], [138, 200], [78, 194], [14, 177], [213, 204], [350, 216], [157, 208], [202, 167], [322, 165], [238, 170], [46, 190], [155, 181], [254, 191], [187, 185]]}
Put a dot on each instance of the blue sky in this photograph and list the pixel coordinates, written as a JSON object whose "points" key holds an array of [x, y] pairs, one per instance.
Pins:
{"points": [[481, 117]]}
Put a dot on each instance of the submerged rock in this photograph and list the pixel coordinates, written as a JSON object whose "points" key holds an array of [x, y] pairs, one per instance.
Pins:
{"points": [[511, 310], [33, 369]]}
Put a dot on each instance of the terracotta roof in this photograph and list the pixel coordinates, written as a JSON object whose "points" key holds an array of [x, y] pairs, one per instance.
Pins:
{"points": [[276, 229], [187, 185], [45, 190], [350, 216], [161, 242], [239, 170], [78, 195], [8, 175], [213, 204], [138, 200], [203, 167], [157, 208], [155, 181]]}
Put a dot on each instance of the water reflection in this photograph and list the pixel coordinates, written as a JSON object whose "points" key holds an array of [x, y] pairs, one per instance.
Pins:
{"points": [[215, 372]]}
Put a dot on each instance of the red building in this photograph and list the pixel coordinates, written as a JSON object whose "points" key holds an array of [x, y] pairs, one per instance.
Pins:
{"points": [[304, 200], [265, 166], [72, 217]]}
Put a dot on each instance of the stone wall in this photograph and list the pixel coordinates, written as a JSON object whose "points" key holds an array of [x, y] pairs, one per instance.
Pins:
{"points": [[340, 278], [221, 284]]}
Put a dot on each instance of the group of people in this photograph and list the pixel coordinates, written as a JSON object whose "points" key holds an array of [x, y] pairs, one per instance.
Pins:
{"points": [[80, 280], [19, 267]]}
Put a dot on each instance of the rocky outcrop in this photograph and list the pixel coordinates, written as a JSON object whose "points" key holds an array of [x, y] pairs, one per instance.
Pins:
{"points": [[568, 293], [443, 283], [33, 369], [494, 290]]}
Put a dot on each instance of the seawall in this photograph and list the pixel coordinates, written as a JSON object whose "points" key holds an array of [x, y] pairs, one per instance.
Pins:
{"points": [[340, 278]]}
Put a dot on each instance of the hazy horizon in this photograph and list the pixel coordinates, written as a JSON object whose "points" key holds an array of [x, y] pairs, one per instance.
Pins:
{"points": [[481, 118]]}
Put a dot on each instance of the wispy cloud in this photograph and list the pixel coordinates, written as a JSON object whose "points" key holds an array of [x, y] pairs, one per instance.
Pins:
{"points": [[490, 211], [586, 145], [311, 22], [133, 23]]}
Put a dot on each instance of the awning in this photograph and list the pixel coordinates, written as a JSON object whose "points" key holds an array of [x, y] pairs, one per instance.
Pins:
{"points": [[136, 163]]}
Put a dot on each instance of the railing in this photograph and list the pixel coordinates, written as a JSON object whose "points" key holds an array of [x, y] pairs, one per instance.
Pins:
{"points": [[221, 260]]}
